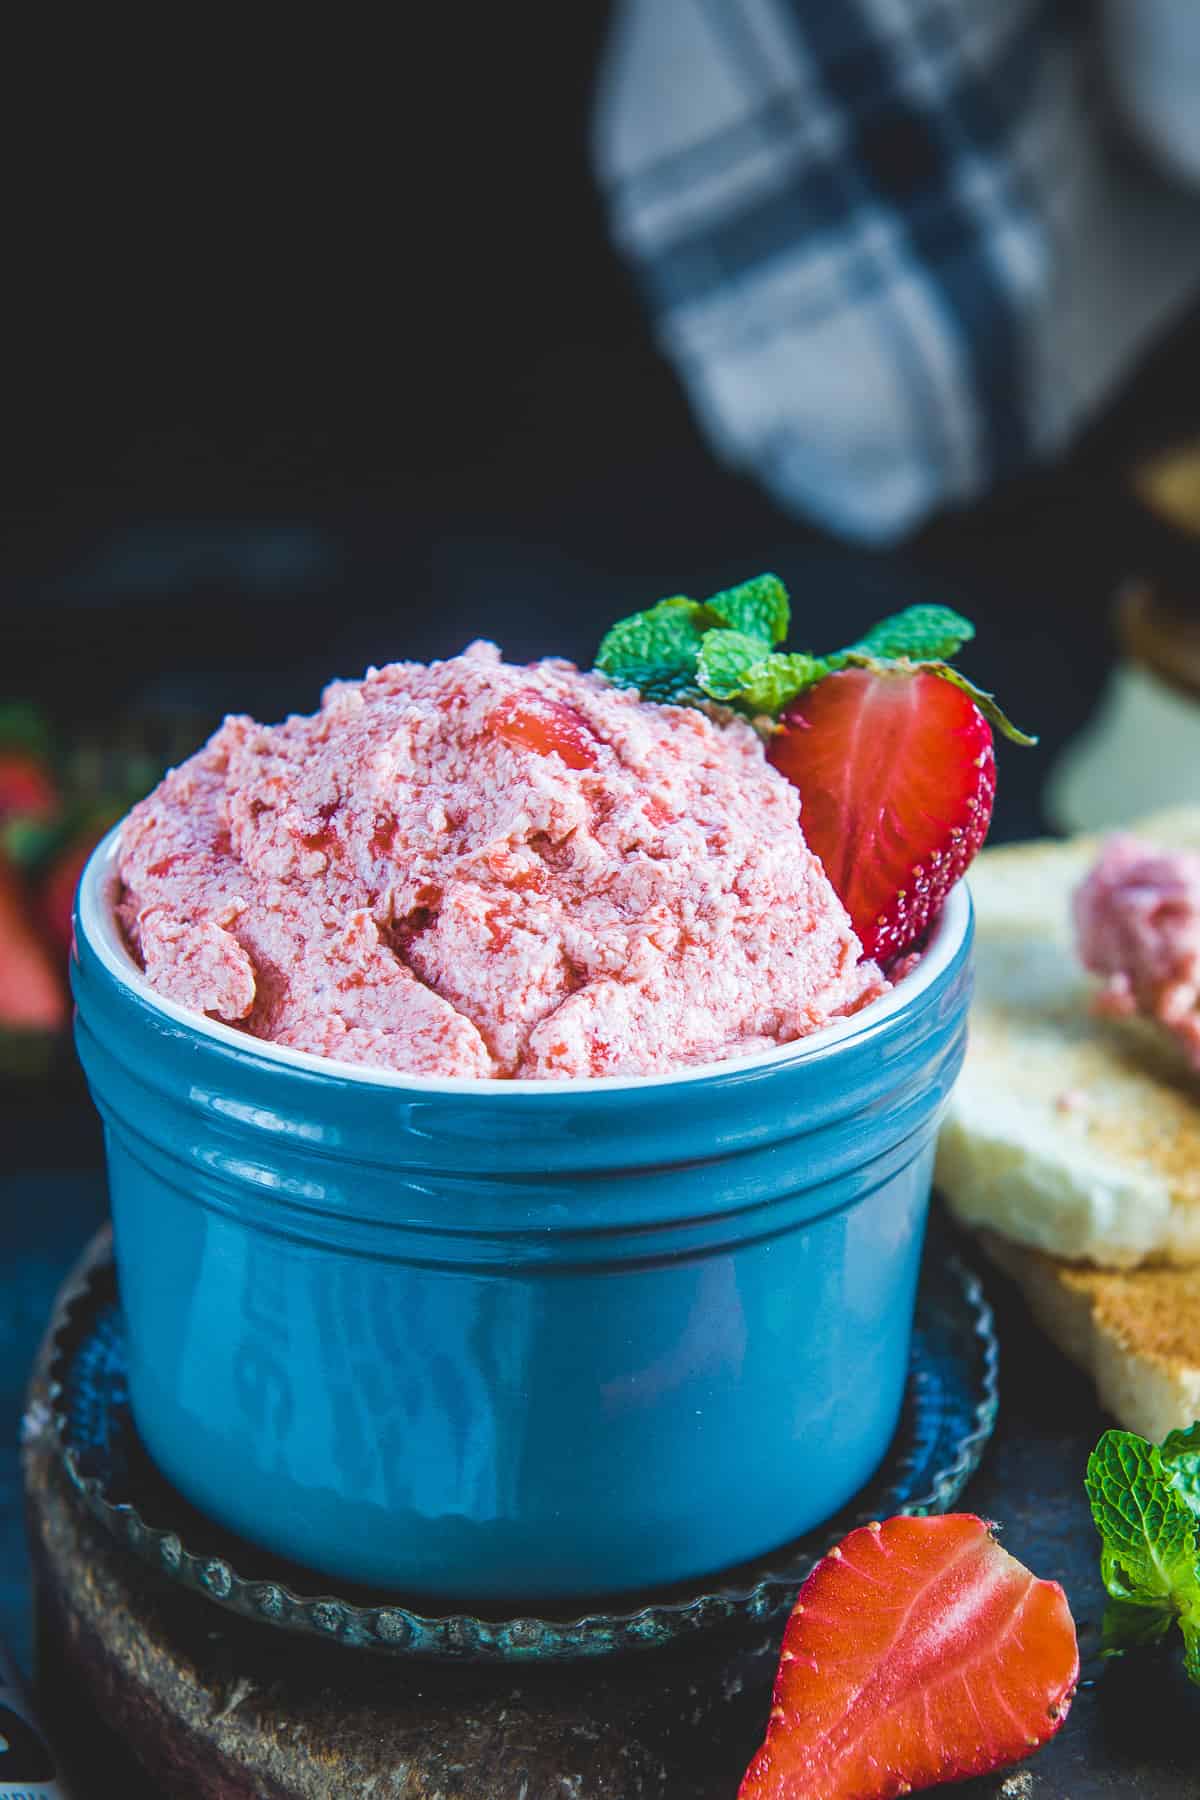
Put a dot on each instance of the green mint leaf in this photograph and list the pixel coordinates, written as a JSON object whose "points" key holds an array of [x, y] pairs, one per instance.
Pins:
{"points": [[1131, 1624], [777, 680], [726, 659], [1148, 1534], [759, 608], [918, 634], [740, 672], [1180, 1454], [1179, 1444], [656, 651], [1147, 1531], [1189, 1624], [986, 702]]}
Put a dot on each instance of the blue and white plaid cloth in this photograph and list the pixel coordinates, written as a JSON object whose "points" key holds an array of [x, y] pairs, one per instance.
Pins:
{"points": [[886, 243]]}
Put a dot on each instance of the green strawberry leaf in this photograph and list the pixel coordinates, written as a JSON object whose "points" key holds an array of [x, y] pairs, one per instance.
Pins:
{"points": [[759, 608], [655, 651], [1180, 1454], [986, 702], [738, 671], [29, 841], [918, 634], [22, 727]]}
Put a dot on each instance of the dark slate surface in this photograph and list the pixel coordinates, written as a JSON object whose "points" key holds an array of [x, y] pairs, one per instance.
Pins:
{"points": [[222, 1707], [46, 1216], [545, 569]]}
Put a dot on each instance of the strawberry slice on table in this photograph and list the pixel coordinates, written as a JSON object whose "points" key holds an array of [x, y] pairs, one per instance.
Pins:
{"points": [[897, 773], [918, 1652], [32, 996]]}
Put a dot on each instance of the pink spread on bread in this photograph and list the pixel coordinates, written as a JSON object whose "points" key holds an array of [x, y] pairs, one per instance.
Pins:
{"points": [[1137, 919], [470, 868]]}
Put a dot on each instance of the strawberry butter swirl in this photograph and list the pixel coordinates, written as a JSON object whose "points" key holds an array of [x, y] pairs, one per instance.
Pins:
{"points": [[469, 868], [1137, 922]]}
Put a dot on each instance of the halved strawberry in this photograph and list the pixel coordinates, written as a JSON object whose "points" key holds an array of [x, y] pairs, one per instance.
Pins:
{"points": [[897, 774], [918, 1652], [32, 997]]}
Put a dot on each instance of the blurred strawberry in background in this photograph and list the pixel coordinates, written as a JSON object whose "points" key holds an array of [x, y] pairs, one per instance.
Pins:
{"points": [[57, 800], [33, 997], [28, 792], [32, 993]]}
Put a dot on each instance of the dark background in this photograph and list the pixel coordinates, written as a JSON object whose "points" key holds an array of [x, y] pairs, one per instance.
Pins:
{"points": [[316, 355]]}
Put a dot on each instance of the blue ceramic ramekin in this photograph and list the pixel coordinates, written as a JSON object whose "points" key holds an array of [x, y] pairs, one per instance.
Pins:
{"points": [[490, 1343]]}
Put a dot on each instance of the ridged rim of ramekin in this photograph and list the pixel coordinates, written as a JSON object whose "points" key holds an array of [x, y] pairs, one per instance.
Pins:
{"points": [[96, 919]]}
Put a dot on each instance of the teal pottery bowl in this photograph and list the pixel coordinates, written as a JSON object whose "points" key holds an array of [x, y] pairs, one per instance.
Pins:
{"points": [[510, 1343]]}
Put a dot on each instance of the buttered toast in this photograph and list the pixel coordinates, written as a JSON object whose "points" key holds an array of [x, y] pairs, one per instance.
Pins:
{"points": [[1068, 1133]]}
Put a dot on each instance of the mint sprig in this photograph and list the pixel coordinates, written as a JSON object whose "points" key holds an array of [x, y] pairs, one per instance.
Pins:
{"points": [[920, 633], [740, 671], [1146, 1506], [657, 651], [1180, 1454], [759, 607], [725, 649]]}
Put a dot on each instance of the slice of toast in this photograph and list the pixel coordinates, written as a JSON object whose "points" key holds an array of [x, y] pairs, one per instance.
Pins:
{"points": [[1068, 1133], [1136, 1332]]}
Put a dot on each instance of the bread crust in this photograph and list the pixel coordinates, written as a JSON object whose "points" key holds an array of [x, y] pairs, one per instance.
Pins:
{"points": [[1137, 1333]]}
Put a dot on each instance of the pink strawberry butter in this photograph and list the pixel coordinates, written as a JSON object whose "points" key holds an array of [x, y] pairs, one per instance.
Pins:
{"points": [[469, 868], [1137, 919]]}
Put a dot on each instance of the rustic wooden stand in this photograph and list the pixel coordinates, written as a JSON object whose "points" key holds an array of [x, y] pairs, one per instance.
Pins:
{"points": [[152, 1693], [135, 1673]]}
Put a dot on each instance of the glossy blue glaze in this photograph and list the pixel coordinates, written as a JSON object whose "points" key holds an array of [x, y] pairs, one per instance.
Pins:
{"points": [[511, 1343]]}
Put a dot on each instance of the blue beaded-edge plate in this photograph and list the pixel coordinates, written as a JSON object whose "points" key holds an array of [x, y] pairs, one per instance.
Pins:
{"points": [[948, 1414]]}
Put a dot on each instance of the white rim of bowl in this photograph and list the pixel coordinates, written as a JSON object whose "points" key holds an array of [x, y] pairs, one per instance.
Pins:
{"points": [[99, 925]]}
